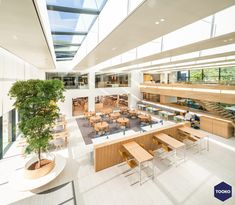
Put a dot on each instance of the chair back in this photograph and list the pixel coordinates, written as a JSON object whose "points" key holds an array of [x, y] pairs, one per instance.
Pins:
{"points": [[123, 155], [165, 147]]}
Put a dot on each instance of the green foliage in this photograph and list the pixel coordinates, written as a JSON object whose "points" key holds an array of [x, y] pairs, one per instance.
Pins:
{"points": [[196, 75], [227, 75], [36, 103]]}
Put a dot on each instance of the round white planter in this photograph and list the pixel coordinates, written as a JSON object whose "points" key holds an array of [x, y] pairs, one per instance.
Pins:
{"points": [[19, 182], [44, 170]]}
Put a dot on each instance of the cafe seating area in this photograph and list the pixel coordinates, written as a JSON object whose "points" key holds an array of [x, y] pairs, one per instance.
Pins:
{"points": [[60, 135], [110, 122]]}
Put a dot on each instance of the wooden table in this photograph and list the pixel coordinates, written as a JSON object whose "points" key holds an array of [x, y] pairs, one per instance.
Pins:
{"points": [[91, 113], [124, 108], [196, 134], [63, 134], [179, 118], [123, 120], [101, 125], [142, 106], [107, 111], [60, 125], [154, 110], [115, 115], [144, 117], [95, 118], [133, 112], [139, 153], [166, 114], [171, 142]]}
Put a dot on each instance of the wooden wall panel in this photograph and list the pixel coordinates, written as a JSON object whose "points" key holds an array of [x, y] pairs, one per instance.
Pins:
{"points": [[221, 127], [107, 155], [206, 124]]}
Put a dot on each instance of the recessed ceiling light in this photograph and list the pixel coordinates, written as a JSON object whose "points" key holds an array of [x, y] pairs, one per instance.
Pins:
{"points": [[157, 22], [230, 39], [14, 37], [225, 41], [162, 20], [114, 48]]}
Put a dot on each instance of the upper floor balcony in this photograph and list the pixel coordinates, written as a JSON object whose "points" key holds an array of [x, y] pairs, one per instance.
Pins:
{"points": [[204, 92]]}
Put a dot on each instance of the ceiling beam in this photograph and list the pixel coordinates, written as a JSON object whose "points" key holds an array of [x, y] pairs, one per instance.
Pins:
{"points": [[68, 33], [64, 59], [73, 10], [65, 52], [66, 45]]}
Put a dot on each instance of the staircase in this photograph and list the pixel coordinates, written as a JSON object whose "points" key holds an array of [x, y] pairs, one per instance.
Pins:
{"points": [[218, 109]]}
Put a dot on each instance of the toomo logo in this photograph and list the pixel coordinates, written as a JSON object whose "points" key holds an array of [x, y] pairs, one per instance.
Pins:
{"points": [[222, 191]]}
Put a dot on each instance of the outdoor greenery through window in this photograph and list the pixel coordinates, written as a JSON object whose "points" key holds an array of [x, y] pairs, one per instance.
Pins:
{"points": [[195, 75], [211, 75], [70, 80], [224, 75], [227, 75]]}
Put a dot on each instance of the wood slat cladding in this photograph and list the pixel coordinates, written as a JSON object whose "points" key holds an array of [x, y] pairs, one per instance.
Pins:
{"points": [[107, 155]]}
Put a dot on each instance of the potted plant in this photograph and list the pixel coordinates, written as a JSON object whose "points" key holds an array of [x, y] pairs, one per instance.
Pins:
{"points": [[36, 101]]}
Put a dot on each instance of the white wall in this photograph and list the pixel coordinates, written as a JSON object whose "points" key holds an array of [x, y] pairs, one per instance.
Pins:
{"points": [[133, 93], [12, 69]]}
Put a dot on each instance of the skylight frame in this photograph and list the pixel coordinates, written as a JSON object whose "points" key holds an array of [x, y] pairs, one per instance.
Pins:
{"points": [[65, 36]]}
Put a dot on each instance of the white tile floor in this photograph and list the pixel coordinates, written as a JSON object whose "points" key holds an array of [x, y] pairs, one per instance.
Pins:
{"points": [[189, 183]]}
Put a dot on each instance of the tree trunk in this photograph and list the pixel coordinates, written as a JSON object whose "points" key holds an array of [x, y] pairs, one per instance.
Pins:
{"points": [[39, 157]]}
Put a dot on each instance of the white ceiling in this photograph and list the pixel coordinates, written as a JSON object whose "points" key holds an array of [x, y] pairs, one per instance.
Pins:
{"points": [[198, 46], [21, 33], [140, 27]]}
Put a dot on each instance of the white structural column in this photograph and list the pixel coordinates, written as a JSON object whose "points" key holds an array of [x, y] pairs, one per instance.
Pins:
{"points": [[91, 93], [164, 77], [173, 77], [135, 95]]}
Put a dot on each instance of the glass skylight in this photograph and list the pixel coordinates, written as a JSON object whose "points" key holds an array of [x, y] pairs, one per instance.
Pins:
{"points": [[70, 21]]}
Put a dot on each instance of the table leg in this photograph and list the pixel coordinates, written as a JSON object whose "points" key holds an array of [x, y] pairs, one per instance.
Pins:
{"points": [[208, 143], [140, 172], [184, 152], [153, 167], [200, 146]]}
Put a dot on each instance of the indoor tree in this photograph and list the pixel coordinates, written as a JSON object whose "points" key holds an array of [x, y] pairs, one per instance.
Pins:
{"points": [[36, 101]]}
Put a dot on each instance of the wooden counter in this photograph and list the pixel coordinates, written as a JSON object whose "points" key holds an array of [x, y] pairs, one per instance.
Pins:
{"points": [[217, 126]]}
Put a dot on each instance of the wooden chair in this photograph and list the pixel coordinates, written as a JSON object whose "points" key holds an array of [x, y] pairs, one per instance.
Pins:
{"points": [[132, 163], [125, 157], [150, 151], [166, 152]]}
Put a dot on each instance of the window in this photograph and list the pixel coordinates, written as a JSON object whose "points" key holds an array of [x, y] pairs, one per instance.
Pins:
{"points": [[227, 75], [70, 80], [182, 76], [7, 131], [195, 75], [211, 75], [112, 80]]}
